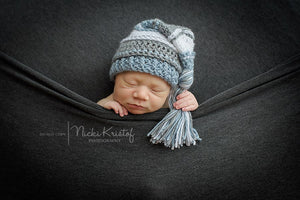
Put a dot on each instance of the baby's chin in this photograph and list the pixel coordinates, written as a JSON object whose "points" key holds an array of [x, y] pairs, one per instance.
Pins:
{"points": [[139, 112]]}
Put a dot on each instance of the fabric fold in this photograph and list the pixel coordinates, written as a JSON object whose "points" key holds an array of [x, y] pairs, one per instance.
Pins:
{"points": [[240, 91], [40, 81]]}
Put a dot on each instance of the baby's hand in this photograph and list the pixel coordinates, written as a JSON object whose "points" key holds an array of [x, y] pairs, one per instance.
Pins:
{"points": [[118, 108], [109, 104], [186, 101]]}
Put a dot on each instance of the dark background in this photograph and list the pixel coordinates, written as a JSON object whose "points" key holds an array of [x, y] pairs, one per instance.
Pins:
{"points": [[250, 147]]}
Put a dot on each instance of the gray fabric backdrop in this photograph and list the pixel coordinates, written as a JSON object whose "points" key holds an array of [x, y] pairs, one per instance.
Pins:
{"points": [[54, 67]]}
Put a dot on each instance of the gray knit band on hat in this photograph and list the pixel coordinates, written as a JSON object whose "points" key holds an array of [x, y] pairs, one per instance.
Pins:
{"points": [[150, 52]]}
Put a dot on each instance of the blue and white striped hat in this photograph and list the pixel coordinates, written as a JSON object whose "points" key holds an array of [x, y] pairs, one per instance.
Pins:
{"points": [[154, 47]]}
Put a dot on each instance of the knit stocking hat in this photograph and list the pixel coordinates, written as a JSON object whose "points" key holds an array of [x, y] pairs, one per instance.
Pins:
{"points": [[166, 51]]}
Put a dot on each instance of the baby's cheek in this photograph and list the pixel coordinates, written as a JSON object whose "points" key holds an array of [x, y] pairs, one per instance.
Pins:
{"points": [[157, 103], [121, 94]]}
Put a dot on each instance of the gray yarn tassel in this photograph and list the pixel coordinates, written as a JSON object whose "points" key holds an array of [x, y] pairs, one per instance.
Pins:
{"points": [[176, 128]]}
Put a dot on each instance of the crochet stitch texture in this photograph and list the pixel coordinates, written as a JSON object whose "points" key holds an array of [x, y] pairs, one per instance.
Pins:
{"points": [[151, 46]]}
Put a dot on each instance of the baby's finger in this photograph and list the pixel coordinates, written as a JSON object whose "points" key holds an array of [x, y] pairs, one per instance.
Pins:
{"points": [[183, 94], [121, 111], [125, 110], [182, 103], [179, 104], [190, 108], [115, 108]]}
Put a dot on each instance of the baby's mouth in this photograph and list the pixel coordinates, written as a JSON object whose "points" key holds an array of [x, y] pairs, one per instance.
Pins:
{"points": [[135, 106]]}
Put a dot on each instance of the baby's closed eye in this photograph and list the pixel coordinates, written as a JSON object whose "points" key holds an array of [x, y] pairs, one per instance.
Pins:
{"points": [[158, 90], [131, 83]]}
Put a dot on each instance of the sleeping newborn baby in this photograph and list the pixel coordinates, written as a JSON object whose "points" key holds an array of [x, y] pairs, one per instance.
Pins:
{"points": [[153, 68], [145, 68], [139, 93]]}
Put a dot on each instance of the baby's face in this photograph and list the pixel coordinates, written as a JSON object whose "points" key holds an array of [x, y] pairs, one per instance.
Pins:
{"points": [[140, 92]]}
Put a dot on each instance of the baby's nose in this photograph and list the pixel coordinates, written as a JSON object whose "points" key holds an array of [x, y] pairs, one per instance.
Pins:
{"points": [[142, 93]]}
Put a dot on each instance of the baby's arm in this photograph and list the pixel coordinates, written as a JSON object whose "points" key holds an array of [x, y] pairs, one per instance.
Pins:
{"points": [[110, 103], [186, 101]]}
